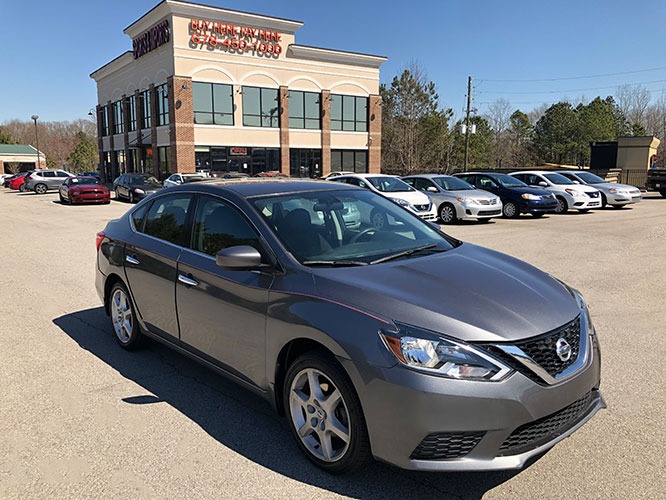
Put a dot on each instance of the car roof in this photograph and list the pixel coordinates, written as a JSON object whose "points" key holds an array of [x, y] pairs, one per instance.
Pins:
{"points": [[365, 176], [428, 176], [262, 186]]}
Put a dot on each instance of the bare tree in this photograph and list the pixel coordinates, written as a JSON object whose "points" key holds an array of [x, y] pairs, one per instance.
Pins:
{"points": [[633, 101], [498, 116]]}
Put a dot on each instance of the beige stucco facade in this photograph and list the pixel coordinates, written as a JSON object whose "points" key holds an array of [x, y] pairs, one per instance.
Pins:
{"points": [[636, 152], [189, 43]]}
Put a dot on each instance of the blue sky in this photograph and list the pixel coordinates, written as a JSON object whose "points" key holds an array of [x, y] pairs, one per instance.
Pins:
{"points": [[50, 48]]}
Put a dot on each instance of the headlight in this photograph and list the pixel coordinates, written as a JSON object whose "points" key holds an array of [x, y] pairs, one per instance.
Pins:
{"points": [[572, 192], [445, 358], [402, 203], [528, 196], [139, 191], [612, 190]]}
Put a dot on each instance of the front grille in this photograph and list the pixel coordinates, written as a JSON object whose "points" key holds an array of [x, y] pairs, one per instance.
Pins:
{"points": [[543, 351], [487, 202], [446, 445], [534, 434]]}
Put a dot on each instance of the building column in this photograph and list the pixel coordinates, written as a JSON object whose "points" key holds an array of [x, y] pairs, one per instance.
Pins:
{"points": [[153, 128], [325, 99], [112, 126], [374, 134], [125, 108], [100, 143], [181, 124], [283, 98]]}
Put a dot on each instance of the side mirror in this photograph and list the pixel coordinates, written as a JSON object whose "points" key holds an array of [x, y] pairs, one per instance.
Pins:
{"points": [[238, 257], [576, 182], [432, 189], [543, 184]]}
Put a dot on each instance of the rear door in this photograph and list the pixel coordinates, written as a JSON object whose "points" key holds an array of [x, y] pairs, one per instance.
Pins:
{"points": [[151, 260], [222, 313]]}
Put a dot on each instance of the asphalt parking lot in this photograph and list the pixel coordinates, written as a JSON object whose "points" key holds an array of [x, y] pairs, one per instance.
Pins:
{"points": [[80, 418]]}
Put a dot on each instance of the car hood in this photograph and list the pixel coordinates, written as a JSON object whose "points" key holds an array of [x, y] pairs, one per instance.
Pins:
{"points": [[470, 293], [582, 188], [613, 185], [413, 197], [470, 193]]}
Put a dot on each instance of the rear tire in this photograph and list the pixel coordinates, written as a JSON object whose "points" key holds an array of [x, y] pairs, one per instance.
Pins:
{"points": [[325, 415], [22, 188], [41, 189], [123, 318]]}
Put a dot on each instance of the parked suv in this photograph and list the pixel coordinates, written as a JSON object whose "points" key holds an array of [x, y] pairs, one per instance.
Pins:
{"points": [[456, 199], [40, 181], [517, 197], [568, 194]]}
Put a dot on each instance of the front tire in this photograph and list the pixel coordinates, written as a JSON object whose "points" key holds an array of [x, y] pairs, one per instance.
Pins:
{"points": [[561, 206], [604, 200], [447, 213], [123, 318], [325, 414], [509, 210]]}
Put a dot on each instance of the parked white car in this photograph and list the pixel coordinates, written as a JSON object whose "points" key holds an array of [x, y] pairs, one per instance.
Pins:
{"points": [[456, 199], [394, 189], [613, 194], [569, 195], [177, 179]]}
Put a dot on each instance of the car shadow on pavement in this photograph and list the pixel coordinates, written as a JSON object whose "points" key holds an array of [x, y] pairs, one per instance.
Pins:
{"points": [[247, 424]]}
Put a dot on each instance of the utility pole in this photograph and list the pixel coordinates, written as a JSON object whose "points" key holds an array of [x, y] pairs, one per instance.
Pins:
{"points": [[469, 103]]}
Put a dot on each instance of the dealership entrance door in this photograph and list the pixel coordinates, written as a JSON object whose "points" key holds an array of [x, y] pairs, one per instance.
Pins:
{"points": [[305, 162]]}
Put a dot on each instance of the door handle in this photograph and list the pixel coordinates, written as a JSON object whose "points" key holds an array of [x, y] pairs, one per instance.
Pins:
{"points": [[131, 260], [187, 280]]}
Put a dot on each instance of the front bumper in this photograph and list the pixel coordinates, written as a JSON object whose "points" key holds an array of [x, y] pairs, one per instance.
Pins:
{"points": [[623, 199], [469, 211], [487, 425], [538, 206]]}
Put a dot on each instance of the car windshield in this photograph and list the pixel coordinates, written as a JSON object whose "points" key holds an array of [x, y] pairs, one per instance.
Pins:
{"points": [[348, 228], [452, 184], [140, 179], [558, 179], [84, 180], [589, 178], [389, 184], [507, 181]]}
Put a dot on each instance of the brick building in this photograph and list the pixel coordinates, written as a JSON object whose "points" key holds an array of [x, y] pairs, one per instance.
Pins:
{"points": [[205, 88]]}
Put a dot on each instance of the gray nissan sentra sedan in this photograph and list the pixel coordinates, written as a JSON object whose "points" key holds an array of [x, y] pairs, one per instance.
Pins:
{"points": [[400, 343]]}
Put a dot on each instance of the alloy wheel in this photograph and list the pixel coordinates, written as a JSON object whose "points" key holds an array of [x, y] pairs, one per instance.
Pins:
{"points": [[447, 214], [122, 315], [320, 415]]}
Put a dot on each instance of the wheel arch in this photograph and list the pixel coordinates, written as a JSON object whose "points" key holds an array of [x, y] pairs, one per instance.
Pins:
{"points": [[111, 280]]}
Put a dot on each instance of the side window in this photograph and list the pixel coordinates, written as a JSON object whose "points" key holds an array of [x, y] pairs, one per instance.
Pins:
{"points": [[421, 184], [62, 174], [218, 226], [485, 182], [166, 219], [48, 174], [410, 181], [138, 216]]}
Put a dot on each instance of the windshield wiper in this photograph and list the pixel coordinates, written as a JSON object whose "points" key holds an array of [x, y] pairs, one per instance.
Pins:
{"points": [[405, 253], [334, 263]]}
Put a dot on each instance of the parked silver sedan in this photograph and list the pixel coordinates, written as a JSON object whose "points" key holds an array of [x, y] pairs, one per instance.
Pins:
{"points": [[613, 194], [456, 199]]}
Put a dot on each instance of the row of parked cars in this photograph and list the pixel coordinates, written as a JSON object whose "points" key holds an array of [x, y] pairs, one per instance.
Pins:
{"points": [[85, 187], [483, 195]]}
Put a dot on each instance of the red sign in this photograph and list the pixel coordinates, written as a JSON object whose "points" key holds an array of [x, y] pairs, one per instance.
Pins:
{"points": [[238, 151], [235, 38]]}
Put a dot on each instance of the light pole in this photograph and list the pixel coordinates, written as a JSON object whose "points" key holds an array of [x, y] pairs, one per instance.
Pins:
{"points": [[35, 118]]}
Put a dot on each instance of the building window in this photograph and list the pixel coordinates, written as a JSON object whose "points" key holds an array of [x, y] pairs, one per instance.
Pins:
{"points": [[162, 96], [117, 110], [213, 103], [131, 113], [231, 159], [349, 113], [145, 106], [104, 117], [260, 107], [163, 162], [305, 162], [349, 161], [304, 110]]}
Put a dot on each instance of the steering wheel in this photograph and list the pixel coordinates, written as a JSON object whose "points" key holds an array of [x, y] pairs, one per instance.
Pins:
{"points": [[358, 236]]}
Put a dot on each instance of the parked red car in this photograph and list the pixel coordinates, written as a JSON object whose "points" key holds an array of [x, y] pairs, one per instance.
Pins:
{"points": [[82, 189], [18, 181]]}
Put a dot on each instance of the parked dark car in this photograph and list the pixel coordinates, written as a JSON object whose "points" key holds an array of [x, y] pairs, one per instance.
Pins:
{"points": [[397, 342], [517, 197], [135, 187], [82, 189]]}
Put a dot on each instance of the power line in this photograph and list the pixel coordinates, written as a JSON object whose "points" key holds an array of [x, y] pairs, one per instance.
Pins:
{"points": [[565, 91], [574, 77]]}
